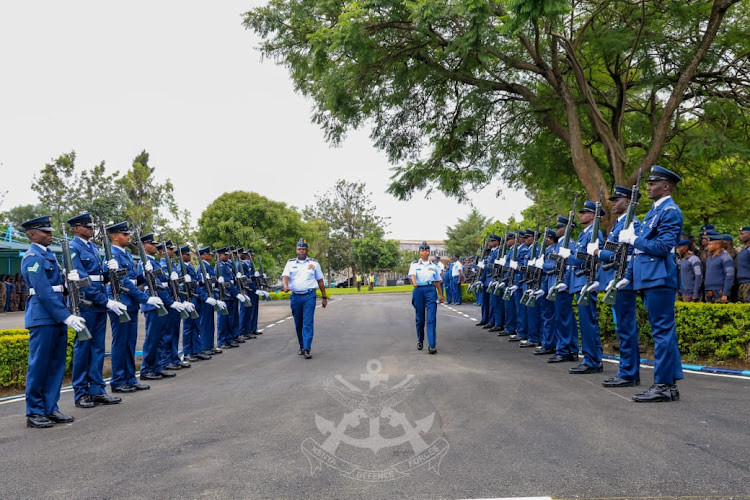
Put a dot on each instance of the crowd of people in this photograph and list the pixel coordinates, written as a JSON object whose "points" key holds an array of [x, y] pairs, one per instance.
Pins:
{"points": [[13, 293]]}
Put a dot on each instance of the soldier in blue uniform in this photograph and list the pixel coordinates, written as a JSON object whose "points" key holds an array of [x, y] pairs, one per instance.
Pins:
{"points": [[653, 272], [425, 278], [207, 320], [743, 267], [691, 273], [47, 319], [547, 307], [169, 353], [301, 276], [228, 325], [151, 367], [516, 262], [456, 272], [246, 313], [510, 313], [192, 347], [89, 388], [447, 283], [628, 373], [124, 335], [719, 272], [531, 314], [485, 276], [566, 332]]}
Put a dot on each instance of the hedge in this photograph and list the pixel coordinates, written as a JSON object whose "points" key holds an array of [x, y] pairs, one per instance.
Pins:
{"points": [[704, 331], [14, 356]]}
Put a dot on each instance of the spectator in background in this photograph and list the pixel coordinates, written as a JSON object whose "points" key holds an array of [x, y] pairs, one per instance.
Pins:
{"points": [[2, 293], [10, 294], [719, 271], [691, 273], [23, 294], [743, 267]]}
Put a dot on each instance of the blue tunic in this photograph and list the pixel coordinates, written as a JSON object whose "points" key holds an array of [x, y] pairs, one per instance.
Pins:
{"points": [[719, 273], [743, 266]]}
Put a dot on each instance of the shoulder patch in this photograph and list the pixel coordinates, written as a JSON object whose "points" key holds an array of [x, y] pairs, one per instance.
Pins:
{"points": [[34, 268]]}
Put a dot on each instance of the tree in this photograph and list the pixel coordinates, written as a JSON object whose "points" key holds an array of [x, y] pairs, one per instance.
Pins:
{"points": [[99, 194], [57, 188], [21, 213], [374, 253], [455, 91], [245, 219], [466, 236]]}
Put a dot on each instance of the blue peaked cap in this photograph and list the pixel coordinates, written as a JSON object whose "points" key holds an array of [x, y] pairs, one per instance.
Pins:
{"points": [[43, 223], [81, 220], [302, 243], [659, 173]]}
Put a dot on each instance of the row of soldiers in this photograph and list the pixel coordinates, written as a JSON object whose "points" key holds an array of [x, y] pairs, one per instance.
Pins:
{"points": [[528, 282], [221, 298]]}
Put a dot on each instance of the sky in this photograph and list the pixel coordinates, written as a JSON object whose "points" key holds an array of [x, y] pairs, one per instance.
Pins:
{"points": [[186, 82]]}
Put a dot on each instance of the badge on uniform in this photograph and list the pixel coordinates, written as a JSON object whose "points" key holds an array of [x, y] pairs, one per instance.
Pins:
{"points": [[33, 268]]}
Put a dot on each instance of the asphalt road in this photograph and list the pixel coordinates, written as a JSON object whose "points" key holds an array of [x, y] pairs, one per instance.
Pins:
{"points": [[496, 421]]}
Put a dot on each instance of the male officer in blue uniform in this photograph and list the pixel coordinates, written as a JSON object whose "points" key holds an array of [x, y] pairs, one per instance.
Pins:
{"points": [[254, 274], [192, 347], [47, 319], [719, 272], [485, 277], [566, 332], [691, 273], [628, 373], [300, 276], [425, 278], [447, 283], [510, 325], [246, 313], [516, 262], [743, 267], [547, 307], [228, 325], [653, 272], [151, 369], [89, 388], [456, 272], [124, 335], [591, 341], [207, 320], [531, 313], [169, 355]]}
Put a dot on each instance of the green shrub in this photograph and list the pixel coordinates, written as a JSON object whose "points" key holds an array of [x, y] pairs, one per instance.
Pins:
{"points": [[14, 356]]}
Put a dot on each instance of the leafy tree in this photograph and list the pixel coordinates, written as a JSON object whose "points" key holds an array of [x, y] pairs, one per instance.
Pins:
{"points": [[99, 194], [57, 188], [22, 213], [456, 91], [465, 237], [374, 253], [244, 219]]}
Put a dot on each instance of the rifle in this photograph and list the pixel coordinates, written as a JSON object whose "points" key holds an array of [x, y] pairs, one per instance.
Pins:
{"points": [[174, 285], [188, 286], [74, 290], [621, 250], [497, 270], [208, 282], [537, 273], [530, 269], [115, 276], [241, 280], [263, 279], [589, 261], [476, 285], [150, 276], [512, 272], [560, 263]]}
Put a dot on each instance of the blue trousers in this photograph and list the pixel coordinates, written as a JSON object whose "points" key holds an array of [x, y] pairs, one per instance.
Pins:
{"points": [[124, 336], [88, 357], [246, 314], [659, 304], [447, 287], [485, 305], [532, 323], [591, 340], [170, 340], [227, 324], [255, 300], [47, 350], [191, 333], [155, 330], [303, 311], [627, 335], [547, 320], [424, 300], [456, 291], [567, 330], [478, 297], [511, 321], [498, 311], [521, 327], [207, 326]]}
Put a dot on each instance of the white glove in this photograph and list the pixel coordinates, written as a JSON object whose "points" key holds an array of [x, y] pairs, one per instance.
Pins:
{"points": [[239, 275], [211, 301], [73, 275], [257, 274], [563, 252], [188, 279], [77, 323], [627, 235], [504, 260], [148, 267], [177, 306], [623, 282], [539, 263], [222, 304], [265, 276], [241, 298], [189, 306], [561, 287], [174, 276], [259, 293], [592, 247], [154, 301], [112, 264], [116, 307], [593, 287], [481, 265], [539, 293], [221, 279], [513, 288], [514, 264]]}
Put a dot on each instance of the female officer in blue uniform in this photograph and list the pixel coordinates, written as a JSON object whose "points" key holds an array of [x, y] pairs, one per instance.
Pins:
{"points": [[47, 319], [425, 278], [653, 272]]}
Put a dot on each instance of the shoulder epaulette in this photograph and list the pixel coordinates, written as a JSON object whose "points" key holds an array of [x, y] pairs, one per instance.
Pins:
{"points": [[414, 261], [670, 207], [310, 258], [295, 258]]}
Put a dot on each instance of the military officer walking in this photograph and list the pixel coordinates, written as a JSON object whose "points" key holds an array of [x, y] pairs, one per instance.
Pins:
{"points": [[300, 276], [89, 388], [653, 272], [47, 319], [425, 278]]}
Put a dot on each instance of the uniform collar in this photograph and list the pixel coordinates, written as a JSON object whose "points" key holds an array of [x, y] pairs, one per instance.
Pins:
{"points": [[85, 242], [421, 262], [622, 216], [115, 246], [302, 261], [41, 246], [662, 200]]}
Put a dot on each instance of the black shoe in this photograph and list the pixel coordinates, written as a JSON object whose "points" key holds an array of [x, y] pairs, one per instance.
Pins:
{"points": [[202, 357], [657, 393], [559, 359], [172, 366], [620, 382], [241, 337], [141, 387], [166, 374], [481, 323], [300, 352], [515, 338], [183, 364], [234, 344], [192, 358], [527, 343], [256, 332], [543, 352], [38, 421], [583, 369], [307, 354], [85, 402], [675, 392], [216, 350], [250, 336], [503, 333], [151, 376], [488, 326], [58, 418], [495, 329], [431, 350], [105, 399], [124, 388], [419, 346], [225, 346], [240, 340]]}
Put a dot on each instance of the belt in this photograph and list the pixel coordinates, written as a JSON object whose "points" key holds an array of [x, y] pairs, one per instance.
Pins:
{"points": [[637, 251], [312, 290], [55, 288], [96, 277], [426, 284]]}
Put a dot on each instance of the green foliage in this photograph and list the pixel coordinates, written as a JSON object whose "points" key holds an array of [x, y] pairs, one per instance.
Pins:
{"points": [[14, 356], [22, 213], [56, 186], [466, 236], [374, 253]]}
